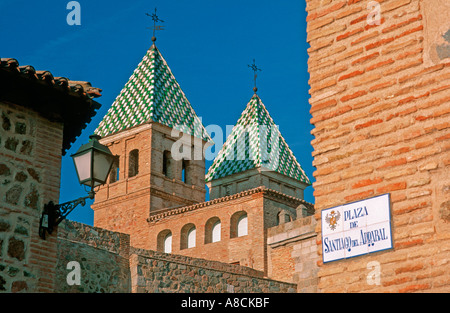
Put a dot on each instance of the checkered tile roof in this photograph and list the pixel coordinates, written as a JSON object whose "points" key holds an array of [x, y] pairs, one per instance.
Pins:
{"points": [[152, 94], [256, 142]]}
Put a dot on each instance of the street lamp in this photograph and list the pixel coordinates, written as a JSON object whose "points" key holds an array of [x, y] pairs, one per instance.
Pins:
{"points": [[93, 162]]}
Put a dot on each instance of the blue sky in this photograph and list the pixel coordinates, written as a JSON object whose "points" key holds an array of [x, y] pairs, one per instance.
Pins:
{"points": [[207, 44]]}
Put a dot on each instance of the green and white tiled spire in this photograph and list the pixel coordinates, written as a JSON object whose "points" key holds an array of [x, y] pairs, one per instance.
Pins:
{"points": [[152, 94], [256, 142]]}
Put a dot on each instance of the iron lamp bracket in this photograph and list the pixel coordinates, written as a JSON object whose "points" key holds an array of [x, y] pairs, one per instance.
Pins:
{"points": [[53, 214]]}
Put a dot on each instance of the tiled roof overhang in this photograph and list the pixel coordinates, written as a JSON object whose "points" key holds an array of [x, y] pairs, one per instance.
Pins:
{"points": [[56, 99]]}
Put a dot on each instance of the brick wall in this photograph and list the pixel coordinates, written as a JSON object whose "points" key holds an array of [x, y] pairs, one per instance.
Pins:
{"points": [[248, 250], [380, 107], [159, 272], [124, 205], [30, 165], [262, 207], [292, 253]]}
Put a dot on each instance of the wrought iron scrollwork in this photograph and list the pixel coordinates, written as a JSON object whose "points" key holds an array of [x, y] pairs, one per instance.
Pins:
{"points": [[54, 214]]}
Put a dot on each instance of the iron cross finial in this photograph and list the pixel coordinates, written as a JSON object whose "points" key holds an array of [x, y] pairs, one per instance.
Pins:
{"points": [[255, 69], [155, 19]]}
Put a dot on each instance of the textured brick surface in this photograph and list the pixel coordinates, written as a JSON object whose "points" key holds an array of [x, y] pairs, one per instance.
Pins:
{"points": [[292, 253], [262, 207], [124, 205], [382, 126], [30, 165]]}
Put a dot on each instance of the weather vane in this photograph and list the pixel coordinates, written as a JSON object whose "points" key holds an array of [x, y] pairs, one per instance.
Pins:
{"points": [[255, 70], [155, 27]]}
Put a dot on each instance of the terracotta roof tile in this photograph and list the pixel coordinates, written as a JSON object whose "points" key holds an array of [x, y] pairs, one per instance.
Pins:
{"points": [[55, 98], [80, 87]]}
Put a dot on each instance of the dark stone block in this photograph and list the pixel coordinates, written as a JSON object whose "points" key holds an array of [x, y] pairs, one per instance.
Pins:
{"points": [[4, 225], [32, 199], [6, 123], [13, 194], [21, 128], [21, 177], [21, 230], [4, 170], [34, 174], [13, 271], [18, 286], [16, 248], [11, 144], [27, 147], [2, 284]]}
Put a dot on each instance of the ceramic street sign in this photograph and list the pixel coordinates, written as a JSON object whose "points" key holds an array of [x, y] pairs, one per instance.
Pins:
{"points": [[356, 228]]}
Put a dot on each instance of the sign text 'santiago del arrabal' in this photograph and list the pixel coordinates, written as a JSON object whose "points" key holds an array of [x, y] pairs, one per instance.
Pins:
{"points": [[356, 228]]}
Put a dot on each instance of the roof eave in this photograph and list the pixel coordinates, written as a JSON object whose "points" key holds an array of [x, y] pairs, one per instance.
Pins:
{"points": [[74, 109]]}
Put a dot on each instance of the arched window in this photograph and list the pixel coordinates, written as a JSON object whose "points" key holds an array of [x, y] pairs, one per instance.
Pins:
{"points": [[216, 230], [133, 163], [213, 229], [191, 237], [164, 241], [114, 174], [168, 243], [188, 236], [167, 164], [238, 224], [242, 227]]}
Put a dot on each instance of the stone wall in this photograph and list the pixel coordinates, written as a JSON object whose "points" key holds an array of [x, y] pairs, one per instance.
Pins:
{"points": [[107, 263], [380, 108], [292, 253], [30, 164], [153, 271], [102, 256]]}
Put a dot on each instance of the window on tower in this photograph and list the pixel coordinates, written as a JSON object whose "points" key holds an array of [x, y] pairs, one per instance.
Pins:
{"points": [[133, 164], [167, 164], [185, 172], [114, 174]]}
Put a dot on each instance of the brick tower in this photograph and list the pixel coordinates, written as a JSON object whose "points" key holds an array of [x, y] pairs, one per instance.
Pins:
{"points": [[255, 154], [158, 140], [255, 183]]}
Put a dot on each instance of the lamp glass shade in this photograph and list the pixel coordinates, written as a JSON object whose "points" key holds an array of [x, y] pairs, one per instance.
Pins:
{"points": [[93, 162], [83, 164], [102, 166]]}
